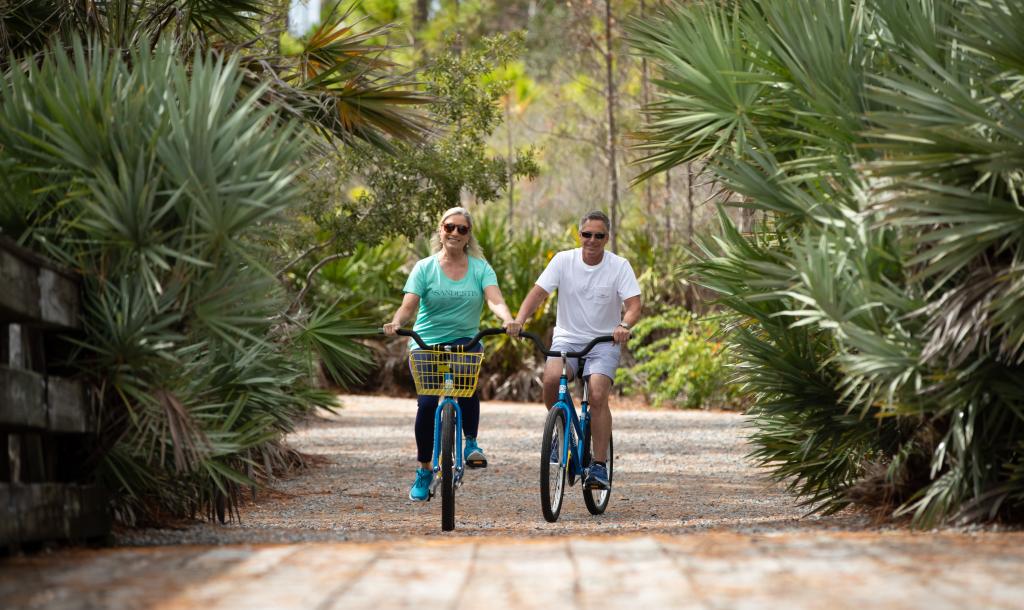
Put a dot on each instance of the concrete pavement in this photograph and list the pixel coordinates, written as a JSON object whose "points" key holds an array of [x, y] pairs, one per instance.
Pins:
{"points": [[933, 571]]}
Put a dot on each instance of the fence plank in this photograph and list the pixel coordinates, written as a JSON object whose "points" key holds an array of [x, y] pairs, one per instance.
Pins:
{"points": [[36, 290], [22, 399], [66, 409], [8, 515], [30, 401], [19, 299], [58, 299], [50, 511]]}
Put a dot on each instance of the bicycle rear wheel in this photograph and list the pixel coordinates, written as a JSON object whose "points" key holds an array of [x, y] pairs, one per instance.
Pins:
{"points": [[552, 474], [448, 468], [597, 499]]}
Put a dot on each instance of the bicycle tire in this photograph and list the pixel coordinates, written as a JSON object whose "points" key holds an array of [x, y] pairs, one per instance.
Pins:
{"points": [[597, 499], [447, 468], [551, 503]]}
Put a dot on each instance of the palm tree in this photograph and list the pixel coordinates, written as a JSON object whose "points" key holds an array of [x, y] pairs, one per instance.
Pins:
{"points": [[339, 81], [879, 327]]}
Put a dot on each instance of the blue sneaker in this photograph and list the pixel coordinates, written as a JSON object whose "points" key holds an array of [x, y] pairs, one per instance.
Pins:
{"points": [[473, 455], [597, 476], [420, 491]]}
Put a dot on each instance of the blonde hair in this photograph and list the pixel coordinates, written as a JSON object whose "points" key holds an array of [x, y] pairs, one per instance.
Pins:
{"points": [[472, 246]]}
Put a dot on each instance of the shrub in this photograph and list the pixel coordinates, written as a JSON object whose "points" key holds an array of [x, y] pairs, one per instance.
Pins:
{"points": [[680, 361]]}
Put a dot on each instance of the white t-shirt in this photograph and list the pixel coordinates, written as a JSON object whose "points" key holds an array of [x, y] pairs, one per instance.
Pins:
{"points": [[589, 297]]}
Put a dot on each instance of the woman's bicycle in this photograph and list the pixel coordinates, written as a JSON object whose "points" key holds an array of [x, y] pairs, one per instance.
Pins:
{"points": [[562, 455], [450, 371]]}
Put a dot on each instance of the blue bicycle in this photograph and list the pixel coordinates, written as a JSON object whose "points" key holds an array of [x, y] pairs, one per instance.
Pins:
{"points": [[449, 371], [562, 455]]}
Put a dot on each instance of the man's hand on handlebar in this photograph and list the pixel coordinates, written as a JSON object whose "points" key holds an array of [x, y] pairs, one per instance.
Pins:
{"points": [[391, 328], [621, 335], [512, 328]]}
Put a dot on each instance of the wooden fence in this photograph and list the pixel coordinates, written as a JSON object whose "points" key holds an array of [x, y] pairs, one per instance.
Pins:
{"points": [[47, 428]]}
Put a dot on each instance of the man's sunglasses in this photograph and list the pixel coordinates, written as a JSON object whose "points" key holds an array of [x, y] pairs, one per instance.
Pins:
{"points": [[588, 235], [451, 227]]}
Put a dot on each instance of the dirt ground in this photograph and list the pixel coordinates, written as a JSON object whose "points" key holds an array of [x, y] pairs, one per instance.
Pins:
{"points": [[691, 524], [675, 472]]}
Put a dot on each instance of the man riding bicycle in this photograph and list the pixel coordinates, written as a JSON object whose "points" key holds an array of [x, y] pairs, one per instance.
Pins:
{"points": [[593, 286]]}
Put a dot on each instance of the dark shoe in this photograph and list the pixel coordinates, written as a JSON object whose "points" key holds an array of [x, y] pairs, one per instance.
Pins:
{"points": [[597, 476]]}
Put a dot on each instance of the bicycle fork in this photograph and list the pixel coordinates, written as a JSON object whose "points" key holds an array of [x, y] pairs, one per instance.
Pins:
{"points": [[457, 448], [575, 429]]}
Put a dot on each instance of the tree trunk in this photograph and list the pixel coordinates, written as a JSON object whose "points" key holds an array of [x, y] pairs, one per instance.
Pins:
{"points": [[509, 162], [613, 167], [692, 293], [689, 205], [746, 220], [667, 207], [645, 100], [420, 14]]}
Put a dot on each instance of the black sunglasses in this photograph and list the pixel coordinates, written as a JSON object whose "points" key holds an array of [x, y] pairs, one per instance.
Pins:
{"points": [[451, 227], [588, 235]]}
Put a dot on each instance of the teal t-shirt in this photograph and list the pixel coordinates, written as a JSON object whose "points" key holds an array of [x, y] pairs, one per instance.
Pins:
{"points": [[448, 309]]}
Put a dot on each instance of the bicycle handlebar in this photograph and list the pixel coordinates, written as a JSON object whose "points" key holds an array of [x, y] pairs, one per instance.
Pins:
{"points": [[580, 354], [484, 332]]}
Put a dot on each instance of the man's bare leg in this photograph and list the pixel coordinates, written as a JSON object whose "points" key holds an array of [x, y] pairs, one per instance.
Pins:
{"points": [[552, 373], [600, 416]]}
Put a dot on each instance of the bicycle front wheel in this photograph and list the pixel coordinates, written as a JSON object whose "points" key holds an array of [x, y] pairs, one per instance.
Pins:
{"points": [[448, 468], [597, 499], [552, 465]]}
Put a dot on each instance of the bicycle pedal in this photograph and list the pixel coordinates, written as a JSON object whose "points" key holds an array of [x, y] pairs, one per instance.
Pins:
{"points": [[476, 463]]}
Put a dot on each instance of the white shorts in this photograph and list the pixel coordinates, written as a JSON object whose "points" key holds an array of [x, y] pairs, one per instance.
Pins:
{"points": [[603, 359]]}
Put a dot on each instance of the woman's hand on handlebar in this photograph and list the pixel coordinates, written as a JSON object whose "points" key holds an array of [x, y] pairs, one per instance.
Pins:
{"points": [[391, 328], [512, 328]]}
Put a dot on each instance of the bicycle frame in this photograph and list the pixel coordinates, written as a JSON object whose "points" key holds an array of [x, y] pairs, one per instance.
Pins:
{"points": [[575, 424]]}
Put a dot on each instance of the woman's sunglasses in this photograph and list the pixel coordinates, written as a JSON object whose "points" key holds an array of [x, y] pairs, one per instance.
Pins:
{"points": [[451, 227], [588, 235]]}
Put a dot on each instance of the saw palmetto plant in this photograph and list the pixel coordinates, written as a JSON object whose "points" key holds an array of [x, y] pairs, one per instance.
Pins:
{"points": [[163, 209], [881, 318], [154, 147]]}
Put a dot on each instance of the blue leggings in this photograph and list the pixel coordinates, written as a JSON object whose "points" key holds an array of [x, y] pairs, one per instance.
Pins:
{"points": [[427, 405]]}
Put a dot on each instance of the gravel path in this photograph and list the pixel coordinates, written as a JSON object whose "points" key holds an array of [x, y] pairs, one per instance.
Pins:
{"points": [[675, 472]]}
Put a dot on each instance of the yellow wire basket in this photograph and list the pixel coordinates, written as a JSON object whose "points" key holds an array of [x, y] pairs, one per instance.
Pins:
{"points": [[429, 368]]}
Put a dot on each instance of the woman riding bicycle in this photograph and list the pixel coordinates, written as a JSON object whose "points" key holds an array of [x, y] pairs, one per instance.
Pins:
{"points": [[446, 291]]}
